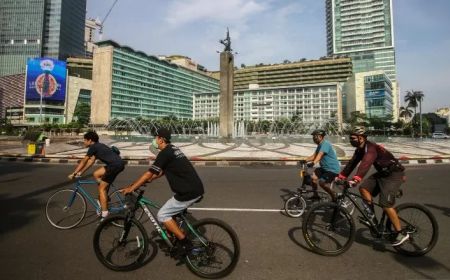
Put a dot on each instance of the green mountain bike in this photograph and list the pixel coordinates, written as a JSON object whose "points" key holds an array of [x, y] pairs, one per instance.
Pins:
{"points": [[121, 243]]}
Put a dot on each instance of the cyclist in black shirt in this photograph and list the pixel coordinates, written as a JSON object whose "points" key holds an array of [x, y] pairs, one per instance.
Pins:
{"points": [[183, 180], [104, 175]]}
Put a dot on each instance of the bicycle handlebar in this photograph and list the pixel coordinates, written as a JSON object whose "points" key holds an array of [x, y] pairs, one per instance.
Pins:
{"points": [[344, 183]]}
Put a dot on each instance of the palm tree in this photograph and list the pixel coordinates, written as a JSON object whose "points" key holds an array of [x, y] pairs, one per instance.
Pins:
{"points": [[419, 97], [414, 98], [405, 112]]}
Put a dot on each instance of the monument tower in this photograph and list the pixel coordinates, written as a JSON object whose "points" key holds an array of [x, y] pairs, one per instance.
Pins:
{"points": [[226, 89]]}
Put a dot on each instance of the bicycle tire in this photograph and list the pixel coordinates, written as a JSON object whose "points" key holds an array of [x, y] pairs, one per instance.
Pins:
{"points": [[421, 241], [110, 251], [343, 225], [117, 200], [295, 206], [59, 214], [219, 246]]}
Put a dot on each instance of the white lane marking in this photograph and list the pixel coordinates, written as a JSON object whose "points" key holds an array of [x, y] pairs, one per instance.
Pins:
{"points": [[236, 209]]}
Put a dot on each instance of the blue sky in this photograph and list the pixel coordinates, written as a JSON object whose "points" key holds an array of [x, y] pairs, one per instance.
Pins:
{"points": [[270, 31]]}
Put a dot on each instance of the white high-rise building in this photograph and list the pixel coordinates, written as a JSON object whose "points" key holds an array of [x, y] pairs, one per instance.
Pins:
{"points": [[364, 31]]}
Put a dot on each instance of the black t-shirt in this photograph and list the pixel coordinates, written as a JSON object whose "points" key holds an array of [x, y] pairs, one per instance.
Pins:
{"points": [[182, 177], [105, 154]]}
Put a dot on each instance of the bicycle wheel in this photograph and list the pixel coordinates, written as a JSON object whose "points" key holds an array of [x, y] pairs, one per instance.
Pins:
{"points": [[65, 209], [295, 206], [421, 226], [116, 205], [328, 229], [120, 248], [216, 252]]}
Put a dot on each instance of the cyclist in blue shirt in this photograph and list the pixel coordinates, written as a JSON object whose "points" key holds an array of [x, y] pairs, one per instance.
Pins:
{"points": [[329, 164], [104, 175]]}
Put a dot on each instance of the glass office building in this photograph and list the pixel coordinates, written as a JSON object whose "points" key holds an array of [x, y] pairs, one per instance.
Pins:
{"points": [[378, 96], [371, 93], [364, 31], [39, 28], [130, 84]]}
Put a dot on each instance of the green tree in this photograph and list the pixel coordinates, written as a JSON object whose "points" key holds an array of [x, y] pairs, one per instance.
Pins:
{"points": [[414, 99], [357, 118], [405, 112], [82, 113]]}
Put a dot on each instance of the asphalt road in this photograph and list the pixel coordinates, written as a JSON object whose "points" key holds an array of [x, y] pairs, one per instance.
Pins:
{"points": [[272, 246]]}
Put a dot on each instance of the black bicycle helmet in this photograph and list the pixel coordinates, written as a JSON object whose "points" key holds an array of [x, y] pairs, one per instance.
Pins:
{"points": [[320, 132]]}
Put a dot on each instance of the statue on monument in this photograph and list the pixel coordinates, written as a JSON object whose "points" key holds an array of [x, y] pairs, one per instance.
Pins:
{"points": [[227, 42]]}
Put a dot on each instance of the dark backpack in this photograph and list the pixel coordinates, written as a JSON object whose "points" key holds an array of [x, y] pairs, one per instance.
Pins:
{"points": [[115, 150]]}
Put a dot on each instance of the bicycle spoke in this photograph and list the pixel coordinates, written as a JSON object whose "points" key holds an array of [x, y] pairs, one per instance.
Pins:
{"points": [[327, 229], [219, 257], [417, 223], [119, 247]]}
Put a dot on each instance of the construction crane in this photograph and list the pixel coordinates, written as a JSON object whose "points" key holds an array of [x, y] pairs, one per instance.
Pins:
{"points": [[101, 23]]}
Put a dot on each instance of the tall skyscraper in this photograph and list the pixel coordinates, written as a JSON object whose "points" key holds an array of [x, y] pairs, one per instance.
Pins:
{"points": [[364, 31], [38, 28]]}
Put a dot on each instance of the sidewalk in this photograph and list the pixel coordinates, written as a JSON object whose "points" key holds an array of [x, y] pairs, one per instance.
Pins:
{"points": [[242, 152]]}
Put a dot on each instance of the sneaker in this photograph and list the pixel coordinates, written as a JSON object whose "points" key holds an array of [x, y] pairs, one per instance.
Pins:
{"points": [[182, 248], [400, 239]]}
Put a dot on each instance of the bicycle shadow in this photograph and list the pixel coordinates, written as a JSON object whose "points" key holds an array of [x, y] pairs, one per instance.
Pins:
{"points": [[445, 210], [287, 193], [363, 237], [295, 235], [17, 217], [11, 180], [13, 217], [419, 264]]}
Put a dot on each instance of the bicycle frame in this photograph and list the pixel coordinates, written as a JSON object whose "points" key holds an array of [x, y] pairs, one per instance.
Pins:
{"points": [[145, 203], [78, 187], [378, 229]]}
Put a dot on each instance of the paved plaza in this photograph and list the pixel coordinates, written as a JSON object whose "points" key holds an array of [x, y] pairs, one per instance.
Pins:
{"points": [[250, 149]]}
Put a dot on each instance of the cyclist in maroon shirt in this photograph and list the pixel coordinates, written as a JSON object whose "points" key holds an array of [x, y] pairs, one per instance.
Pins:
{"points": [[386, 181]]}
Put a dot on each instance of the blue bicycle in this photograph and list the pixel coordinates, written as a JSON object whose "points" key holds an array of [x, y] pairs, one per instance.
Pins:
{"points": [[66, 208]]}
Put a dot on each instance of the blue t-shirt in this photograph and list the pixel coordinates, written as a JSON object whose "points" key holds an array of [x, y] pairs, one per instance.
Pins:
{"points": [[329, 161]]}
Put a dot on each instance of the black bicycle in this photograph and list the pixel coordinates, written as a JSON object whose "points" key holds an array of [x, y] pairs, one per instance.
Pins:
{"points": [[329, 229], [300, 200], [121, 242]]}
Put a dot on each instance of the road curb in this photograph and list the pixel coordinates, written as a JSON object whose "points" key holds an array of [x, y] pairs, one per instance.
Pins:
{"points": [[219, 162]]}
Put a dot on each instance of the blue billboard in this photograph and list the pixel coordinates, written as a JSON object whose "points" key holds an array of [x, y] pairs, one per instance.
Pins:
{"points": [[46, 77]]}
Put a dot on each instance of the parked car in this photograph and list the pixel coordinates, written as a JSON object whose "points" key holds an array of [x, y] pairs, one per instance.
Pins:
{"points": [[439, 135]]}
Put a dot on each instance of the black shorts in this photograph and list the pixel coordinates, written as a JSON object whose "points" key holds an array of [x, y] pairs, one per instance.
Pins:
{"points": [[324, 175], [387, 187], [111, 172]]}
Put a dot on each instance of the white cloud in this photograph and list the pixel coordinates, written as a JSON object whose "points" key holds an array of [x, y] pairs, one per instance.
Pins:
{"points": [[187, 11]]}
